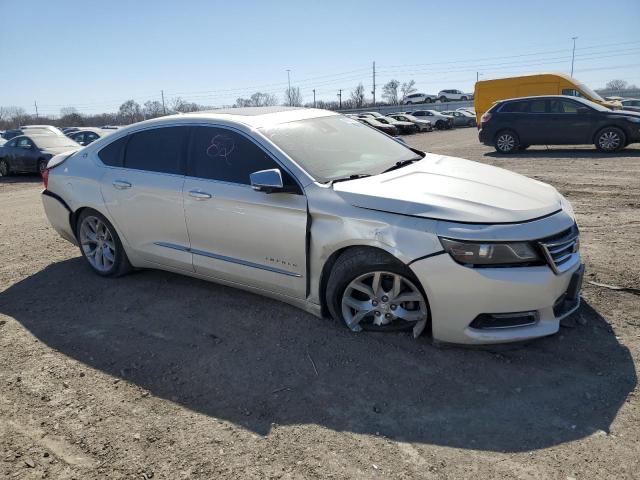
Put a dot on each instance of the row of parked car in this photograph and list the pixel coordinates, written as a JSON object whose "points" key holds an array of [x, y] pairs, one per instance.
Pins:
{"points": [[399, 123], [442, 96], [28, 148]]}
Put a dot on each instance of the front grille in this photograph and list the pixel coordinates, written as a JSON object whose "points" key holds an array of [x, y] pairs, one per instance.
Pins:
{"points": [[560, 249]]}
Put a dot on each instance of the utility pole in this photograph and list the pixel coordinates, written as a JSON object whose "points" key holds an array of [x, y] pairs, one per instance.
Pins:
{"points": [[374, 84], [289, 82], [36, 105], [340, 97], [573, 55], [477, 76], [314, 98], [163, 107]]}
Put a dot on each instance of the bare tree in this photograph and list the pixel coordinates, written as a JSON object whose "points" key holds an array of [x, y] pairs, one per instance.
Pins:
{"points": [[390, 91], [13, 117], [617, 84], [153, 109], [130, 111], [406, 89], [357, 96], [182, 106], [293, 97], [71, 116]]}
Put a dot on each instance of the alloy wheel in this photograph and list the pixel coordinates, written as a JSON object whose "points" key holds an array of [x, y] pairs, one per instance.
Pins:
{"points": [[609, 140], [506, 142], [378, 299], [4, 168], [97, 243]]}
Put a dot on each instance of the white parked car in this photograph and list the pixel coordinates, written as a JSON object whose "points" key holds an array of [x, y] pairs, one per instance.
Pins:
{"points": [[423, 125], [419, 98], [325, 213], [41, 130], [437, 119], [454, 95]]}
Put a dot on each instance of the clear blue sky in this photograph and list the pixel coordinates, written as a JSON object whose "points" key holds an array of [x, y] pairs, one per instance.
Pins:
{"points": [[95, 55]]}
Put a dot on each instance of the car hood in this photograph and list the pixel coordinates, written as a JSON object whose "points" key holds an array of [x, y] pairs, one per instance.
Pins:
{"points": [[453, 189]]}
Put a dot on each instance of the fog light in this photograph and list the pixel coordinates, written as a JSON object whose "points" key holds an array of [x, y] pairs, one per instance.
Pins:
{"points": [[488, 321]]}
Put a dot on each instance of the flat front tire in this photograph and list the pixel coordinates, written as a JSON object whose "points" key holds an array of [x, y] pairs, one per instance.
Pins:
{"points": [[100, 245], [368, 289], [610, 139]]}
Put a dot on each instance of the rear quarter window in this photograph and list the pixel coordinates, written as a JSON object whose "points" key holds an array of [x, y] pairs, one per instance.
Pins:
{"points": [[113, 153]]}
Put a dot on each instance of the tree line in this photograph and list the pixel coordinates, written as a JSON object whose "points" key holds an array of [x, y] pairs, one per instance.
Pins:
{"points": [[393, 93]]}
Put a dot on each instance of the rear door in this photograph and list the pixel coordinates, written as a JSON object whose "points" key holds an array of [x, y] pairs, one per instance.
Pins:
{"points": [[237, 233], [23, 154], [529, 120], [142, 189]]}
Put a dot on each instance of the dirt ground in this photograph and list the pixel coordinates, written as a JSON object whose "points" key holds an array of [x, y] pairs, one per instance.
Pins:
{"points": [[155, 375]]}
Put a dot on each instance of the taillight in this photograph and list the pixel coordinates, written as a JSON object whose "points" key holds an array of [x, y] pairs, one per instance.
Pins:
{"points": [[45, 177], [485, 117]]}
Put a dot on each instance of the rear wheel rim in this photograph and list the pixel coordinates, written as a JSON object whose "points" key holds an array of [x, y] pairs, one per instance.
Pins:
{"points": [[98, 244], [506, 142], [4, 168], [42, 165], [379, 299], [609, 140]]}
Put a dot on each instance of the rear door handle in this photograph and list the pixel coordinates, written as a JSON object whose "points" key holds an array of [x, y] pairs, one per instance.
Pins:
{"points": [[121, 184], [198, 195]]}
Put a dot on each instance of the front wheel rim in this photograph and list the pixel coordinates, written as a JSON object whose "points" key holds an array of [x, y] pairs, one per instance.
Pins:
{"points": [[609, 140], [97, 243], [382, 298], [506, 142]]}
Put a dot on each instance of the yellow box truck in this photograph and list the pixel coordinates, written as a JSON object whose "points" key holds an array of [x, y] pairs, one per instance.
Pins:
{"points": [[489, 91]]}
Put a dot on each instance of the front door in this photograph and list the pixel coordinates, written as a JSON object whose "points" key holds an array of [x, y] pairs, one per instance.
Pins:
{"points": [[571, 124], [142, 190], [239, 234]]}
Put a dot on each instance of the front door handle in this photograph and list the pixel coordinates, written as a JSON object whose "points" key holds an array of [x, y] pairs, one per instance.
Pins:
{"points": [[198, 195], [121, 184]]}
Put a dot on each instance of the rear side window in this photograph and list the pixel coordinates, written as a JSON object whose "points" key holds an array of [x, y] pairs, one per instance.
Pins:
{"points": [[113, 153], [515, 107], [157, 150], [537, 106]]}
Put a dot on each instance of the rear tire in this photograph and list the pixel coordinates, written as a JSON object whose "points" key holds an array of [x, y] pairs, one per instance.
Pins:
{"points": [[464, 99], [428, 100], [100, 245], [443, 99], [5, 171], [610, 139], [440, 125], [354, 297], [506, 141]]}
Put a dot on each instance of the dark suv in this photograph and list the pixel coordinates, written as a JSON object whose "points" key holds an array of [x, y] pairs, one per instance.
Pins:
{"points": [[515, 124]]}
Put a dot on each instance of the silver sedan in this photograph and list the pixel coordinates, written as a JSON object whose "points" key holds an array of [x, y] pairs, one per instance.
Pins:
{"points": [[323, 212]]}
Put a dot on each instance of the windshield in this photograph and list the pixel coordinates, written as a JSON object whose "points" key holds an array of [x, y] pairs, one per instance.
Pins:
{"points": [[590, 92], [335, 147], [54, 141]]}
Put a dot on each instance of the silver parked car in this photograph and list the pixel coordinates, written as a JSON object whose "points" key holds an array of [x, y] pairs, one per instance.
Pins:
{"points": [[325, 213]]}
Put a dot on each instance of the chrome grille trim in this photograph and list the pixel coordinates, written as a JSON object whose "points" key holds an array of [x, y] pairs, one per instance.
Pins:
{"points": [[559, 250]]}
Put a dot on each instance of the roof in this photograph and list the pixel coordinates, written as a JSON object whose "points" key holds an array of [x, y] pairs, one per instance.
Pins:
{"points": [[255, 117]]}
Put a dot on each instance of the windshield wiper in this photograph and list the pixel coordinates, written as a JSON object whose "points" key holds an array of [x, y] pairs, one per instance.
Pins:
{"points": [[350, 177], [401, 164]]}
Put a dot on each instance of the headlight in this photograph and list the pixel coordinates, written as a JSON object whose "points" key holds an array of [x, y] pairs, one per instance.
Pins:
{"points": [[496, 254]]}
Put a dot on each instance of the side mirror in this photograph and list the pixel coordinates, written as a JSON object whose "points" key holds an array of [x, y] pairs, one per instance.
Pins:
{"points": [[267, 181]]}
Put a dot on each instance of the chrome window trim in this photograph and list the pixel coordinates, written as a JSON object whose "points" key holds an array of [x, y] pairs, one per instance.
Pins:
{"points": [[237, 261]]}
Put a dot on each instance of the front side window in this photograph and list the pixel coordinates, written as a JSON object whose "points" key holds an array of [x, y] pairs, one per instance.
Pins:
{"points": [[157, 150], [562, 106], [224, 155], [334, 147], [24, 142]]}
